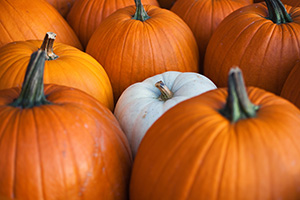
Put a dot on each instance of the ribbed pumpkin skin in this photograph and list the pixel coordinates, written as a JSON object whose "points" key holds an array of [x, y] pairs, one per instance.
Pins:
{"points": [[263, 50], [73, 149], [203, 17], [30, 20], [72, 68], [131, 51], [193, 152], [86, 15], [295, 3], [63, 6], [291, 87]]}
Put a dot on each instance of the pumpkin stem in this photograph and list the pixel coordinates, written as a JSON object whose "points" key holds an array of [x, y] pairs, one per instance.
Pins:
{"points": [[32, 93], [165, 92], [140, 13], [47, 46], [238, 106], [277, 12]]}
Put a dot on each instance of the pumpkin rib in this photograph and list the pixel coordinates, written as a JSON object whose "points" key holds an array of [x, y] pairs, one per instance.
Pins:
{"points": [[6, 31]]}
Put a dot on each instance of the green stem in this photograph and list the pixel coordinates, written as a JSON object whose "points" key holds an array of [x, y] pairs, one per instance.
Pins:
{"points": [[277, 12], [47, 46], [140, 13], [238, 106], [32, 93], [166, 93]]}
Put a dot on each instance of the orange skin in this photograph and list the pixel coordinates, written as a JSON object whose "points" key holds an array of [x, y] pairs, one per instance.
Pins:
{"points": [[72, 68], [29, 20], [131, 50], [62, 6], [86, 15], [71, 149], [264, 50], [193, 152], [291, 89], [203, 17]]}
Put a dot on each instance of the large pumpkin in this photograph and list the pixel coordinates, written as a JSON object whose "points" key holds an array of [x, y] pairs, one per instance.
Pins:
{"points": [[59, 143], [132, 49], [65, 65], [262, 40], [30, 20], [203, 17], [142, 103], [86, 15], [291, 87], [208, 147]]}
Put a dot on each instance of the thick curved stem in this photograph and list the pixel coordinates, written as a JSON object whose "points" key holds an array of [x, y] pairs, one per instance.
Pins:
{"points": [[32, 93], [47, 46], [277, 12], [166, 93], [140, 13], [238, 106]]}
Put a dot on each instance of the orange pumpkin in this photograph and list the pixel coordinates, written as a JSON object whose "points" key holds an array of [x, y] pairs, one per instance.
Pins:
{"points": [[132, 49], [203, 17], [295, 3], [30, 20], [63, 6], [207, 147], [86, 15], [291, 87], [59, 143], [261, 39], [72, 67]]}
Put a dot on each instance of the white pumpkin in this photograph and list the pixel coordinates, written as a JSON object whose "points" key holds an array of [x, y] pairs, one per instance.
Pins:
{"points": [[142, 103]]}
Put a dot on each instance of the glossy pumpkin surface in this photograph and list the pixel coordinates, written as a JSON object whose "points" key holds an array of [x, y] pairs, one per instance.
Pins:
{"points": [[72, 68], [194, 152], [86, 15], [263, 49], [291, 89], [203, 17], [131, 50], [142, 103], [58, 143], [29, 20]]}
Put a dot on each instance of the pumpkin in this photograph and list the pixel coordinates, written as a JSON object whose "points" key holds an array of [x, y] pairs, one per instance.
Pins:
{"points": [[261, 39], [29, 20], [203, 17], [142, 103], [86, 15], [291, 89], [131, 49], [239, 145], [295, 3], [62, 6], [65, 65], [58, 143]]}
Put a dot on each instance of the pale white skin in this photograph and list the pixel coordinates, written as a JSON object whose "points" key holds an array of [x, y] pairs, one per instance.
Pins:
{"points": [[139, 106]]}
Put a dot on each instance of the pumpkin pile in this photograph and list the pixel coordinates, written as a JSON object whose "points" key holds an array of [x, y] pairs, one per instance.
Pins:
{"points": [[149, 99]]}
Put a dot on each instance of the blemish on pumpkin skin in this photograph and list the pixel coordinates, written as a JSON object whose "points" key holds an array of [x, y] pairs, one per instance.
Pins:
{"points": [[145, 115]]}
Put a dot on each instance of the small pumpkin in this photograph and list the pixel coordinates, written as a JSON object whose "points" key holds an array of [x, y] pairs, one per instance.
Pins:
{"points": [[203, 17], [240, 144], [86, 15], [29, 20], [291, 89], [59, 143], [135, 43], [142, 103], [65, 65], [261, 39]]}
